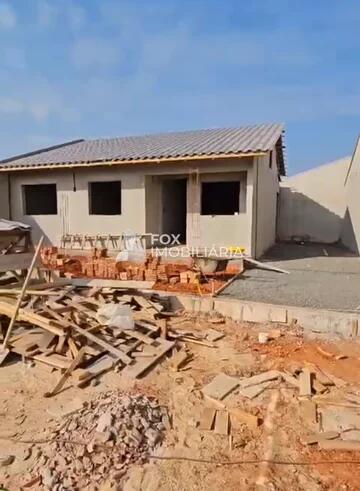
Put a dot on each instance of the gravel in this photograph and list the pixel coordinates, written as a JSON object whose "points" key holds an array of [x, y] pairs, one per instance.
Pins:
{"points": [[324, 277]]}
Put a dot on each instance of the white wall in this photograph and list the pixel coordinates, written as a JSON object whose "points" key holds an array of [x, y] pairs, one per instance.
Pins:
{"points": [[350, 232], [312, 203], [265, 204]]}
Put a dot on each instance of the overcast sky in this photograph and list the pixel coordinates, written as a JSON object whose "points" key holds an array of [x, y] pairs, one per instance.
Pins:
{"points": [[97, 68]]}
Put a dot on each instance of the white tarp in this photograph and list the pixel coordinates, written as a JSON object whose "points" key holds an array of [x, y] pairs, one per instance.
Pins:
{"points": [[7, 225]]}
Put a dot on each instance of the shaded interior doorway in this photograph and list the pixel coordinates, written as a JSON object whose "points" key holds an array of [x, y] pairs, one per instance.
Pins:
{"points": [[174, 207]]}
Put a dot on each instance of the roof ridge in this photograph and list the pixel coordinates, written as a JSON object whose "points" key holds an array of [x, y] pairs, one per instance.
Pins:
{"points": [[187, 132]]}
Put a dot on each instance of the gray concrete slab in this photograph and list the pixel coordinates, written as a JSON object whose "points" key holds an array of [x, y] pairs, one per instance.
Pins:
{"points": [[321, 276]]}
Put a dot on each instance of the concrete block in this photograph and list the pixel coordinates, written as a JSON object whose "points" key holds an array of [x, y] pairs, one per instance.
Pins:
{"points": [[206, 305], [255, 312], [278, 314], [224, 307]]}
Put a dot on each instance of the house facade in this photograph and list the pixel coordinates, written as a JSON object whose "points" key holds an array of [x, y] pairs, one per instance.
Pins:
{"points": [[210, 188]]}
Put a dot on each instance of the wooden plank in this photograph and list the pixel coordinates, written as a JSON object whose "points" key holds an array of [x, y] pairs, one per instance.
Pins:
{"points": [[100, 342], [179, 359], [140, 367], [138, 335], [119, 284], [8, 309], [46, 340], [148, 326], [73, 348], [100, 366], [222, 422], [207, 418], [76, 361], [53, 360], [55, 315]]}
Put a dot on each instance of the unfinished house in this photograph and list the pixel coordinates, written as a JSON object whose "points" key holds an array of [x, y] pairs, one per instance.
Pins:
{"points": [[216, 187]]}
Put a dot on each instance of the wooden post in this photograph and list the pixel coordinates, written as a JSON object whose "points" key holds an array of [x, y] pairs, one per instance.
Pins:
{"points": [[22, 294]]}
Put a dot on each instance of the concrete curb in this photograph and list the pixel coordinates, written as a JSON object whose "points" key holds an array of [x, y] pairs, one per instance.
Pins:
{"points": [[321, 321]]}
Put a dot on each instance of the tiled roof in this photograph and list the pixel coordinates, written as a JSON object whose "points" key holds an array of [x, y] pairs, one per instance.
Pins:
{"points": [[186, 144]]}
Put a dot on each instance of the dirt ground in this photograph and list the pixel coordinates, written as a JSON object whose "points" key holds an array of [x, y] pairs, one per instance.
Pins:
{"points": [[26, 415]]}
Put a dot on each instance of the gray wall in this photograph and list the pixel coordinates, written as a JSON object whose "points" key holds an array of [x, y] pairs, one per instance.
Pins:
{"points": [[4, 197], [312, 203], [265, 206], [350, 233]]}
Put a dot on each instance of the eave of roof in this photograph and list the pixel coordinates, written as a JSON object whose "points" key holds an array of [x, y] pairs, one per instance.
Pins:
{"points": [[197, 158]]}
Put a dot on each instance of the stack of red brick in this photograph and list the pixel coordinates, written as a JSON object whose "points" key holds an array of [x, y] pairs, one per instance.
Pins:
{"points": [[97, 265]]}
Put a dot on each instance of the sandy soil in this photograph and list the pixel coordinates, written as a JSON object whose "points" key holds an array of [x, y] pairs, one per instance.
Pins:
{"points": [[26, 415]]}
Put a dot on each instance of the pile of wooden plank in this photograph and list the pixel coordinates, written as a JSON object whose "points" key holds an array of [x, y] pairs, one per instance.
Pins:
{"points": [[57, 325]]}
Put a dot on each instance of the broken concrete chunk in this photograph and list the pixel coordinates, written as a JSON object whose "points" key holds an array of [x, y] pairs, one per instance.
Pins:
{"points": [[290, 379], [340, 419], [259, 379], [222, 422], [254, 390], [305, 382], [104, 422], [221, 386], [212, 335], [6, 460], [351, 435], [317, 437], [207, 419], [349, 445], [308, 411]]}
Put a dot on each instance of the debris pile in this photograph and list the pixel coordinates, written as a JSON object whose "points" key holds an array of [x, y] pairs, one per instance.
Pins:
{"points": [[59, 325], [100, 442]]}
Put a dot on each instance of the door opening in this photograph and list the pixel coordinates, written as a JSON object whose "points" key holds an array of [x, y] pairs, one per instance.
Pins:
{"points": [[174, 208]]}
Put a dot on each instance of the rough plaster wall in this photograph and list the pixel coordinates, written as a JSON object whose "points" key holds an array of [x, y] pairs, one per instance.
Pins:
{"points": [[266, 203], [141, 205], [350, 232], [312, 204], [73, 206], [228, 230], [4, 197]]}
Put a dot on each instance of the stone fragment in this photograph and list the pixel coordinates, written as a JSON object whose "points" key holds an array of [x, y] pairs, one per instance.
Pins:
{"points": [[351, 435], [104, 422], [6, 460], [48, 478]]}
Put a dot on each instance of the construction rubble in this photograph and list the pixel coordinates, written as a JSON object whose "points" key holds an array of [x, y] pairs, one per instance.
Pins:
{"points": [[65, 328], [100, 441], [135, 392]]}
